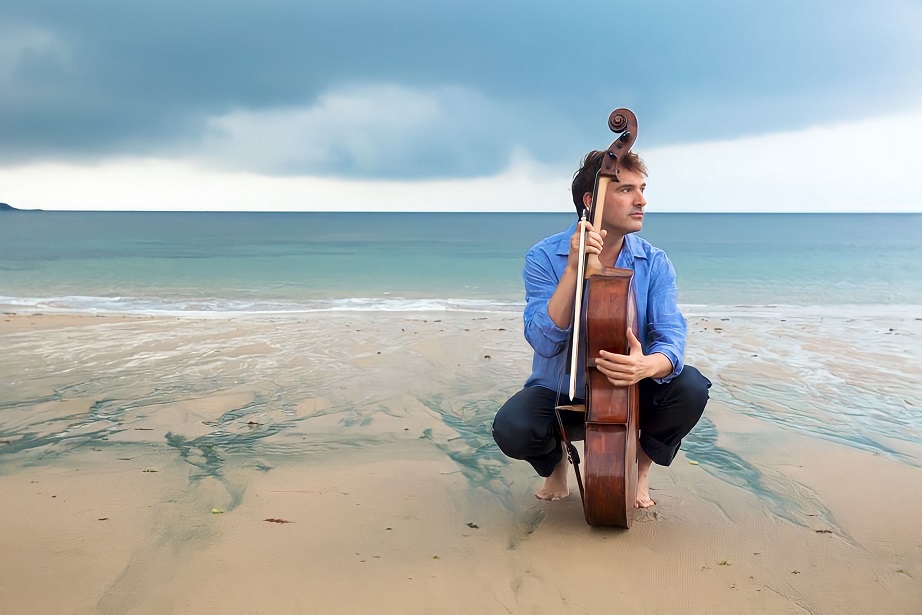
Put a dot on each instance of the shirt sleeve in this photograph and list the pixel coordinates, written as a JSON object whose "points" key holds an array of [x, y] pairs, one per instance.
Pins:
{"points": [[541, 281], [666, 327]]}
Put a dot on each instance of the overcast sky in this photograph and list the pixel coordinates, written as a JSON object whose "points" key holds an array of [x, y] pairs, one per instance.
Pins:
{"points": [[470, 105]]}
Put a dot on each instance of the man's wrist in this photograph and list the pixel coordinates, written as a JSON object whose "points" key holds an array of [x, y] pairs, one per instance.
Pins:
{"points": [[659, 365]]}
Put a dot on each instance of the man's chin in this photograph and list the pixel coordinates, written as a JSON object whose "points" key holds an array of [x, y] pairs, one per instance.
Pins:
{"points": [[631, 226]]}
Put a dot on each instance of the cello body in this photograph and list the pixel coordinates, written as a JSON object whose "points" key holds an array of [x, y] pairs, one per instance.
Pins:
{"points": [[612, 412]]}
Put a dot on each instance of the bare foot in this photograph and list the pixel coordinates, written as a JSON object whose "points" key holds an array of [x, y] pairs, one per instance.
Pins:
{"points": [[643, 480], [555, 486]]}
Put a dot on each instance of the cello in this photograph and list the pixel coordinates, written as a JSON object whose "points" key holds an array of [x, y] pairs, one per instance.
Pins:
{"points": [[604, 305]]}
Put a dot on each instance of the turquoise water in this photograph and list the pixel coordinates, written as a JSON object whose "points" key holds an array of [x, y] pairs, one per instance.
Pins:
{"points": [[150, 262]]}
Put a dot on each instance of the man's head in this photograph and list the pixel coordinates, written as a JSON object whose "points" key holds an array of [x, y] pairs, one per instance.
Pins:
{"points": [[584, 178]]}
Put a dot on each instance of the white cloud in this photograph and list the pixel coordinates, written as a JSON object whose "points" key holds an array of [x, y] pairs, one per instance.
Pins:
{"points": [[379, 131], [156, 184], [869, 165]]}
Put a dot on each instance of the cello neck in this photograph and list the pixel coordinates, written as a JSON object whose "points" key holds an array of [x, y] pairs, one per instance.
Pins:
{"points": [[593, 264]]}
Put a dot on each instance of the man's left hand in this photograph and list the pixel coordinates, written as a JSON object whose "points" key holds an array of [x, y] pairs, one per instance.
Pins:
{"points": [[626, 369]]}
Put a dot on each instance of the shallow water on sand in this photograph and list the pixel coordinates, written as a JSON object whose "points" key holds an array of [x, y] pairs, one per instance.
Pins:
{"points": [[255, 390]]}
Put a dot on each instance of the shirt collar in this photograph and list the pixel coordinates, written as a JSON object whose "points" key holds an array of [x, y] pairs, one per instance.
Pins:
{"points": [[634, 247]]}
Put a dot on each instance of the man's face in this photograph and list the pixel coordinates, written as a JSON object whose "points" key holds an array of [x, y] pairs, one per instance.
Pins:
{"points": [[624, 203]]}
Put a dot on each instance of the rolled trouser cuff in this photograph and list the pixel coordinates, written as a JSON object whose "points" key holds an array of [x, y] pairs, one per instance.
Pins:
{"points": [[661, 454]]}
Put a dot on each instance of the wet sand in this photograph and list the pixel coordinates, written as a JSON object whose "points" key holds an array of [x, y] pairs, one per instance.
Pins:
{"points": [[342, 463]]}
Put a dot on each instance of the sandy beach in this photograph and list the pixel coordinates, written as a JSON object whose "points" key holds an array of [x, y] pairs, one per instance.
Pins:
{"points": [[343, 463]]}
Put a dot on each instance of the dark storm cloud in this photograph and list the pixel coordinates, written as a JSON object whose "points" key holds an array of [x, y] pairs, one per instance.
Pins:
{"points": [[96, 79]]}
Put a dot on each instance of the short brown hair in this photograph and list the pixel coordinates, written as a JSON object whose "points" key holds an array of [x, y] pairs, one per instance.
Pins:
{"points": [[584, 178]]}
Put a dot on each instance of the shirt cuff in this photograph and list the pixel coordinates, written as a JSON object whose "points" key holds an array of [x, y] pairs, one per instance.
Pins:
{"points": [[673, 358]]}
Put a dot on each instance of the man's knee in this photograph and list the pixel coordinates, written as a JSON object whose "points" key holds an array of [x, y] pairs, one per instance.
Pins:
{"points": [[517, 427], [510, 431], [692, 388], [505, 431]]}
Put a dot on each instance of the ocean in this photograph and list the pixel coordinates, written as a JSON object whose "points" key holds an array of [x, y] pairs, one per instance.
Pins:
{"points": [[220, 263]]}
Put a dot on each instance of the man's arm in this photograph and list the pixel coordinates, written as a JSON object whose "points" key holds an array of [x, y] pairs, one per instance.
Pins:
{"points": [[560, 306], [549, 300], [666, 327]]}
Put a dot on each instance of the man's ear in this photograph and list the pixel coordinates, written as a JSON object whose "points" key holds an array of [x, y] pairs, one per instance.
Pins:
{"points": [[587, 200]]}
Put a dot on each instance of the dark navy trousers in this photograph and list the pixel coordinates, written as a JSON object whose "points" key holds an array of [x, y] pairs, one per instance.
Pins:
{"points": [[526, 427]]}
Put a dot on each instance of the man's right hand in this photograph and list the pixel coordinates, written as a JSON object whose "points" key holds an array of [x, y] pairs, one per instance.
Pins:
{"points": [[594, 242]]}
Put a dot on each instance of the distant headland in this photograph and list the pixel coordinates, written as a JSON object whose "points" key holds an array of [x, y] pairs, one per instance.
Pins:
{"points": [[5, 207]]}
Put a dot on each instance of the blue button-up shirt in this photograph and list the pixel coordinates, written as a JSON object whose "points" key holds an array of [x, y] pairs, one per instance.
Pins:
{"points": [[660, 324]]}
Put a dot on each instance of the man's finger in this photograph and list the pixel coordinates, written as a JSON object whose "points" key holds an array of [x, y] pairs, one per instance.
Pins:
{"points": [[614, 357], [616, 371]]}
